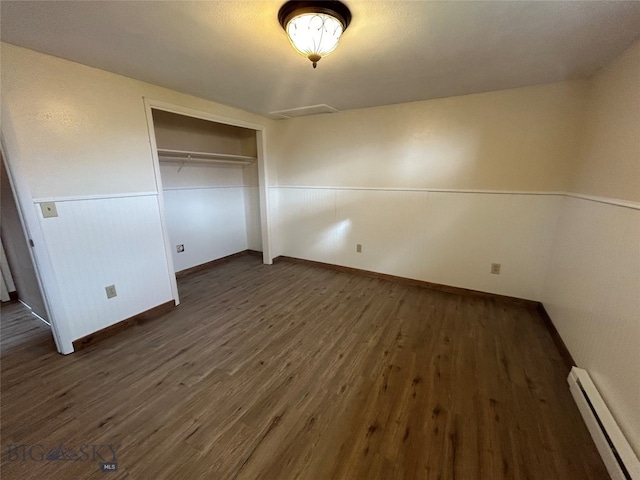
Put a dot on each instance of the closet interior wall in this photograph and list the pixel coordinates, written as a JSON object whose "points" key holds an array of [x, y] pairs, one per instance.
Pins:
{"points": [[212, 209]]}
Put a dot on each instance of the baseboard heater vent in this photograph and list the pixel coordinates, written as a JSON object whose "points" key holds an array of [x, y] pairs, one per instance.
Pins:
{"points": [[620, 460]]}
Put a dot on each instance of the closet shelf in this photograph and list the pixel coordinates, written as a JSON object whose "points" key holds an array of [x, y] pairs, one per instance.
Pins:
{"points": [[185, 156]]}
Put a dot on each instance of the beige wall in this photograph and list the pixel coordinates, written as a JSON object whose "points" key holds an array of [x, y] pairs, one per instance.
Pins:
{"points": [[179, 132], [76, 129], [520, 139], [610, 157]]}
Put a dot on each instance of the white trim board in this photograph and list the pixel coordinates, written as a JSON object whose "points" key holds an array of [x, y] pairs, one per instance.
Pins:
{"points": [[592, 198], [417, 189], [606, 200], [103, 196], [201, 114], [207, 187]]}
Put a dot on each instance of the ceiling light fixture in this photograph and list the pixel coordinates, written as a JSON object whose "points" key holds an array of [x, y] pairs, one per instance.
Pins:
{"points": [[314, 28]]}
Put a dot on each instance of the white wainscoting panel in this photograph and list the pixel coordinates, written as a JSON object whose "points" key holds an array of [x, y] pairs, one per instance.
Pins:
{"points": [[442, 237], [471, 231], [308, 225], [209, 222], [100, 242], [592, 294]]}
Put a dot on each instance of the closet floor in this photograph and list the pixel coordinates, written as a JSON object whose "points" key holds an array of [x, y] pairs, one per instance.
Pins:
{"points": [[295, 371]]}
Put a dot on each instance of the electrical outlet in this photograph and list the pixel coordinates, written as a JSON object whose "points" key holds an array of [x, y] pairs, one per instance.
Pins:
{"points": [[111, 291], [49, 209], [180, 248], [359, 248], [495, 268]]}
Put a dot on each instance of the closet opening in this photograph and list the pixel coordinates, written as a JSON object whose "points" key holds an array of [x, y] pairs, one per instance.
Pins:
{"points": [[211, 189]]}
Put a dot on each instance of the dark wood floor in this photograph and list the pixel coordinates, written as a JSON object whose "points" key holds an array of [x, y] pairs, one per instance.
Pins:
{"points": [[292, 371]]}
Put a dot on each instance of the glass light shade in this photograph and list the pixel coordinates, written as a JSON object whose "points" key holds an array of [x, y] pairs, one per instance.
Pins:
{"points": [[314, 35]]}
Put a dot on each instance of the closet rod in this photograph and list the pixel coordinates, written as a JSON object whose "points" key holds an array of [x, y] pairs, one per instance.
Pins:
{"points": [[203, 157]]}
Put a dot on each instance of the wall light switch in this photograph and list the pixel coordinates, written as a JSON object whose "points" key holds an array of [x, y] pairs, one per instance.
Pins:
{"points": [[49, 209]]}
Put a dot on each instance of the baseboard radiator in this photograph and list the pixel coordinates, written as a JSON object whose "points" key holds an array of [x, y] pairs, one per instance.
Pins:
{"points": [[620, 460]]}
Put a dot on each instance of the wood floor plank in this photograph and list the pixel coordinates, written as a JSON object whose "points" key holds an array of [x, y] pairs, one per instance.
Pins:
{"points": [[293, 371]]}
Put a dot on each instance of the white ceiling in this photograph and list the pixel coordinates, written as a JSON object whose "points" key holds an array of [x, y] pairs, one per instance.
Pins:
{"points": [[236, 53]]}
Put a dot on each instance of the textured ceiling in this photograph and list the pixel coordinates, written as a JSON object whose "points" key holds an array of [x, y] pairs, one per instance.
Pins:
{"points": [[236, 53]]}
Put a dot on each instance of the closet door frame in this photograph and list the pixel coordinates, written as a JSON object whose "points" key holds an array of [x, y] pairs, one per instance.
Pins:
{"points": [[49, 288], [149, 104]]}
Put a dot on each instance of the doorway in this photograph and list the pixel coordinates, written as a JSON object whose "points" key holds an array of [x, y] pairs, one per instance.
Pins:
{"points": [[16, 247]]}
